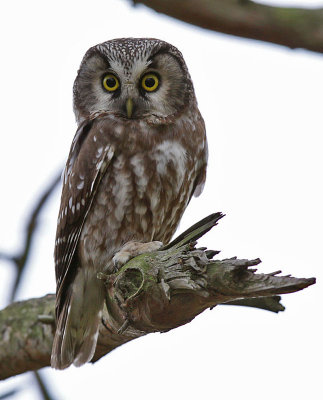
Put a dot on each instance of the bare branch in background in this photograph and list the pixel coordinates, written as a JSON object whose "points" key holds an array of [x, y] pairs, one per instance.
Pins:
{"points": [[154, 292], [287, 26], [46, 395], [9, 394], [20, 261], [21, 258]]}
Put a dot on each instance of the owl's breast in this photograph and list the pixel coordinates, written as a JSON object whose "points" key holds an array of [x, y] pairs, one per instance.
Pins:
{"points": [[163, 181], [153, 188], [141, 197]]}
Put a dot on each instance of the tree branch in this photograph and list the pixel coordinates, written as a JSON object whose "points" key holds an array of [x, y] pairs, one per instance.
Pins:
{"points": [[154, 292], [291, 27]]}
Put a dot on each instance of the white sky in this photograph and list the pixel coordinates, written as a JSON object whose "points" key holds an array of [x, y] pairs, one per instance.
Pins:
{"points": [[263, 110], [293, 3]]}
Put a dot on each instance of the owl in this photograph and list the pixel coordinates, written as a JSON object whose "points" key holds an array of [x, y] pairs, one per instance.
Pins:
{"points": [[138, 156]]}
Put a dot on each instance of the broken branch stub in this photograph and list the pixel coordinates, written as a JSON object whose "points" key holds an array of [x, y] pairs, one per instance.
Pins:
{"points": [[168, 288]]}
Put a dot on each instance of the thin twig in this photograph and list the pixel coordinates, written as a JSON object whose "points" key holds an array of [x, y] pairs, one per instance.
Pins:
{"points": [[20, 261], [9, 394], [42, 386], [21, 258]]}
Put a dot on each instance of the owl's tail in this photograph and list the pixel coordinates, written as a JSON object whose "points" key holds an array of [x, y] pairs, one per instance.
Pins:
{"points": [[78, 322]]}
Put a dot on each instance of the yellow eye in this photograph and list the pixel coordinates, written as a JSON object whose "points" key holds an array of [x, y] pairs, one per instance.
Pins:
{"points": [[110, 83], [150, 82]]}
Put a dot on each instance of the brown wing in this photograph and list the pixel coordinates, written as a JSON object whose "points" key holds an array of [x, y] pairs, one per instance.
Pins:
{"points": [[88, 160], [200, 180], [203, 157]]}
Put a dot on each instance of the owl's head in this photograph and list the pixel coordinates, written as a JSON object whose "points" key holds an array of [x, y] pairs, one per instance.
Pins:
{"points": [[132, 78]]}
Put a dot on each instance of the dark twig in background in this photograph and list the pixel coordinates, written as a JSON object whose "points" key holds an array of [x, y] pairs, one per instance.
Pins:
{"points": [[42, 386], [20, 261], [21, 258], [9, 394]]}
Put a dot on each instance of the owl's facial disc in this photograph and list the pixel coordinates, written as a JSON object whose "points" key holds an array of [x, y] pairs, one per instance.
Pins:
{"points": [[132, 79]]}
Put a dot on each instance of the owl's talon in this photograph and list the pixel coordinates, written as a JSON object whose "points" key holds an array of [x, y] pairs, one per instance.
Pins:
{"points": [[133, 249], [120, 259]]}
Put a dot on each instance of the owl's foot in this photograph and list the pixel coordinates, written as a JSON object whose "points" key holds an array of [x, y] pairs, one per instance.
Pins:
{"points": [[133, 249]]}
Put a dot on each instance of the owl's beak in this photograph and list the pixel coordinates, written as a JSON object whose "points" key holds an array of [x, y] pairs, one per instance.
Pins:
{"points": [[129, 107]]}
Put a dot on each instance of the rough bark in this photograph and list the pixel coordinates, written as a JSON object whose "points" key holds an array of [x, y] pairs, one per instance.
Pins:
{"points": [[154, 292], [291, 27]]}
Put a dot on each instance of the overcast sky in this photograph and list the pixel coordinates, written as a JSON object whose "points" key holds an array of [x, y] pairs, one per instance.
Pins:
{"points": [[262, 105]]}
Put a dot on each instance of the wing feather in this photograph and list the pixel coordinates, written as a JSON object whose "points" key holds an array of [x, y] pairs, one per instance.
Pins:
{"points": [[201, 177], [90, 155]]}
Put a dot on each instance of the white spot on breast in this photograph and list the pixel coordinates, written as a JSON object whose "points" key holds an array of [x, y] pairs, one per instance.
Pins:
{"points": [[118, 129], [121, 194], [141, 177], [174, 152], [154, 201], [70, 202], [140, 209], [144, 224]]}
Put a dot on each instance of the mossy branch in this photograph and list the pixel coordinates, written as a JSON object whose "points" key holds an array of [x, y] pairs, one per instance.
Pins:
{"points": [[154, 292], [287, 26]]}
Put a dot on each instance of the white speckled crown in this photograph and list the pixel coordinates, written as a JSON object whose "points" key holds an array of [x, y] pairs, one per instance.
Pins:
{"points": [[129, 50]]}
